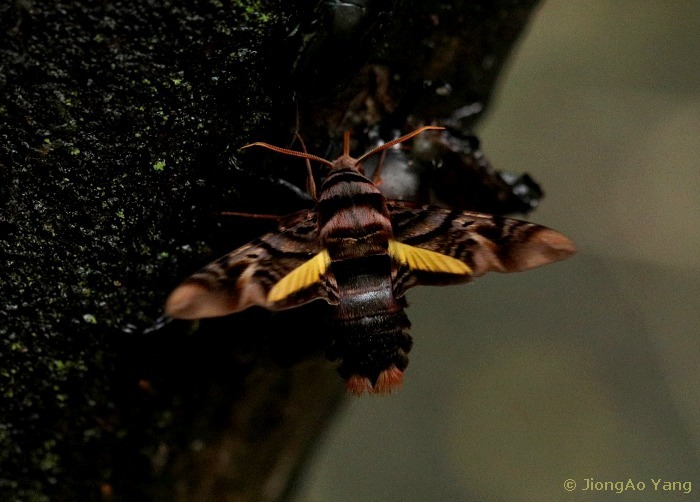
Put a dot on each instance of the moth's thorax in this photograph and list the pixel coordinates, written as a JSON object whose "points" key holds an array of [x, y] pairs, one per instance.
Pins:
{"points": [[353, 218], [346, 182]]}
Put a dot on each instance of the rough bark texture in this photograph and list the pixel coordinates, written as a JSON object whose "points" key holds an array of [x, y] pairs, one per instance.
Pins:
{"points": [[120, 127]]}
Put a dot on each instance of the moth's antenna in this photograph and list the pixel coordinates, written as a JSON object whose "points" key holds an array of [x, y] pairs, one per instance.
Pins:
{"points": [[400, 140], [293, 153], [377, 175]]}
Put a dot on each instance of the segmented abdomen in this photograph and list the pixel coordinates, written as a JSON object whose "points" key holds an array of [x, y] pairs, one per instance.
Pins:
{"points": [[370, 327]]}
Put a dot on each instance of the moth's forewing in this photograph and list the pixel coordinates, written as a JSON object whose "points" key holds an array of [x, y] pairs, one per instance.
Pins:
{"points": [[244, 277], [485, 243]]}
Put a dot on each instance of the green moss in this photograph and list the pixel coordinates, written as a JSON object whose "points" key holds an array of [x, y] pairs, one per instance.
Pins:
{"points": [[253, 11], [18, 347], [89, 318], [50, 459]]}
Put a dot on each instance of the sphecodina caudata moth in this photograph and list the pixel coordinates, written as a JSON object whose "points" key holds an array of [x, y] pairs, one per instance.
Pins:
{"points": [[360, 252]]}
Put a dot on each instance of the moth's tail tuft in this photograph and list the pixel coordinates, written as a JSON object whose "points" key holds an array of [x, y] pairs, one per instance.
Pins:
{"points": [[371, 351], [389, 380]]}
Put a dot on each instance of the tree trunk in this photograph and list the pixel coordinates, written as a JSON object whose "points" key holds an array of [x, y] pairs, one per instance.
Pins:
{"points": [[121, 127]]}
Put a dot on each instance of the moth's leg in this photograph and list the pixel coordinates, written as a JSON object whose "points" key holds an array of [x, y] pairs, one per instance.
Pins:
{"points": [[310, 183], [299, 193], [275, 217], [376, 175]]}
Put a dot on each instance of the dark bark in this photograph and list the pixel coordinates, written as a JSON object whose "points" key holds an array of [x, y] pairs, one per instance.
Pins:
{"points": [[120, 129]]}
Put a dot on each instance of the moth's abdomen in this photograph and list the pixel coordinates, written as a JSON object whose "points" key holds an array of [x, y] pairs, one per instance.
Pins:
{"points": [[370, 329], [372, 351]]}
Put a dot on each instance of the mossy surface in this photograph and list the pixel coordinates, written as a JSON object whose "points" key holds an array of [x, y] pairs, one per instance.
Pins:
{"points": [[119, 123]]}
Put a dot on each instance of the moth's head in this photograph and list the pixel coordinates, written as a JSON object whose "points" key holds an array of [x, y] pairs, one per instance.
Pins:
{"points": [[348, 163], [345, 161]]}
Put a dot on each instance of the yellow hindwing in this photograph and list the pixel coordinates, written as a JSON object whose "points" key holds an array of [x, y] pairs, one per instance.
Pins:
{"points": [[301, 277], [428, 261]]}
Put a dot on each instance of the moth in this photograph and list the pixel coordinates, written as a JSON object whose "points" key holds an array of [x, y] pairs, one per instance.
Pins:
{"points": [[360, 253]]}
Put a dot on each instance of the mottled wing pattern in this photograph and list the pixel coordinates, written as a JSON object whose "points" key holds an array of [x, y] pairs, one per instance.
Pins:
{"points": [[485, 243], [244, 277]]}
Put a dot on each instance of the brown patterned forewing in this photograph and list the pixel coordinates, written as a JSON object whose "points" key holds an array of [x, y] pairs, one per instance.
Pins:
{"points": [[244, 277], [486, 243]]}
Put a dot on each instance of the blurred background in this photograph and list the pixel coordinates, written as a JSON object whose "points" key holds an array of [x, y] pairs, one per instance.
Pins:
{"points": [[587, 368]]}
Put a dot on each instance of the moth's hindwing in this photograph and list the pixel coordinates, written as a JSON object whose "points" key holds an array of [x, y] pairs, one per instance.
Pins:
{"points": [[425, 260], [483, 242], [246, 276], [300, 278]]}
